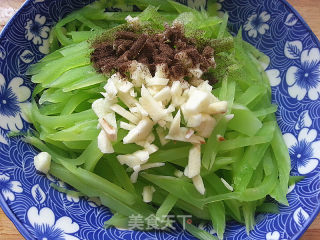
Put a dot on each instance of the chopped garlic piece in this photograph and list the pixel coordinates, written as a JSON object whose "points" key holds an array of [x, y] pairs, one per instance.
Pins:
{"points": [[213, 61], [153, 107], [218, 107], [115, 84], [181, 136], [162, 123], [189, 133], [198, 101], [134, 159], [104, 143], [111, 89], [195, 82], [170, 109], [127, 99], [102, 107], [135, 174], [124, 113], [194, 161], [176, 88], [134, 110], [140, 132], [110, 131], [164, 95], [175, 125], [184, 85], [160, 77], [178, 173], [186, 171], [153, 90], [139, 73], [226, 184], [151, 138], [133, 21], [176, 94], [206, 87], [133, 93], [137, 168], [194, 120], [161, 71], [229, 117], [151, 148], [197, 72], [198, 183], [147, 193], [141, 110], [111, 119], [156, 81], [127, 126], [42, 162], [161, 135], [124, 86], [151, 165], [207, 125]]}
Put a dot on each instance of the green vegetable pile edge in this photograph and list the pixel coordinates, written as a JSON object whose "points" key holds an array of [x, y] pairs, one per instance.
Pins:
{"points": [[253, 159]]}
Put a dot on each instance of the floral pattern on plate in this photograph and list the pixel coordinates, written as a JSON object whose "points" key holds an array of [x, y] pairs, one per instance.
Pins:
{"points": [[257, 24], [45, 226], [9, 188], [13, 98]]}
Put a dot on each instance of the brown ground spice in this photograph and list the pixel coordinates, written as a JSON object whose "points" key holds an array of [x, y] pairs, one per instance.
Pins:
{"points": [[171, 47]]}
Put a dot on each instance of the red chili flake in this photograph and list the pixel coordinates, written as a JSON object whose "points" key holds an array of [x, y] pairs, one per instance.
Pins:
{"points": [[220, 138]]}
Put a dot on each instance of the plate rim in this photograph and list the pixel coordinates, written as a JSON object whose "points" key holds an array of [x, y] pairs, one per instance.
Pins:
{"points": [[22, 228], [3, 204], [314, 215]]}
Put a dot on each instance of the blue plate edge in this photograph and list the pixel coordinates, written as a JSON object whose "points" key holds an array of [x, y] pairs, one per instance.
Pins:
{"points": [[317, 41], [20, 227], [3, 205], [23, 230]]}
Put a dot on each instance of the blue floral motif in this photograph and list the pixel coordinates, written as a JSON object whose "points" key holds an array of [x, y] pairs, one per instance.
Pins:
{"points": [[45, 226], [304, 151], [9, 102], [9, 188], [13, 97], [36, 30], [257, 24], [305, 78], [274, 77]]}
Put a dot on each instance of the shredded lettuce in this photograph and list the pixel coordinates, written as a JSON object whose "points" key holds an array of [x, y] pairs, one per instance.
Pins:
{"points": [[252, 156]]}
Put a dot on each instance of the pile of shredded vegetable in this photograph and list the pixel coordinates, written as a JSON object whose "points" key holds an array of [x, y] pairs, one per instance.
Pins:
{"points": [[245, 163]]}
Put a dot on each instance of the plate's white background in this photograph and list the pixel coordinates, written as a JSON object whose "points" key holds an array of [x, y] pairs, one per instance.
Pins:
{"points": [[309, 9]]}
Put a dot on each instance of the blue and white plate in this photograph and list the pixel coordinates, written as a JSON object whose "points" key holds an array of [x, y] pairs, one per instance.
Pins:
{"points": [[273, 26]]}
